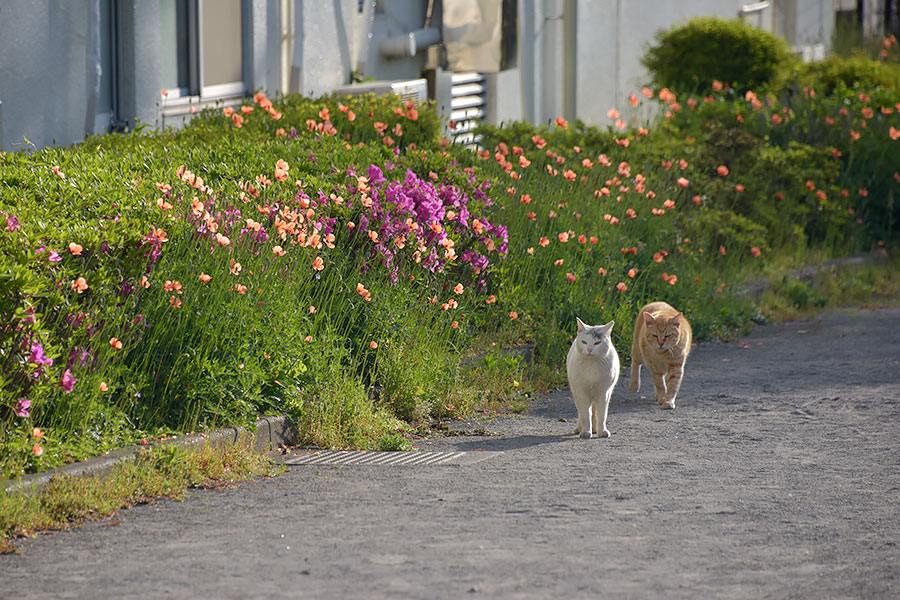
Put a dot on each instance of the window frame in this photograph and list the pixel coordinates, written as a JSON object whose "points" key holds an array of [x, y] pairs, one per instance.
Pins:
{"points": [[196, 92]]}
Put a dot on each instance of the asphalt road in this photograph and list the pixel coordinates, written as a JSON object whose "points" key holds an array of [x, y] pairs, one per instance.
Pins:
{"points": [[778, 476]]}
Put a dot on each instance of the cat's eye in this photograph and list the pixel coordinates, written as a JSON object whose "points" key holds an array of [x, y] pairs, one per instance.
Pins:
{"points": [[597, 342], [583, 342]]}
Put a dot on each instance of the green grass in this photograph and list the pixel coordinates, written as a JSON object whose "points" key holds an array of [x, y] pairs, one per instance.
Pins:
{"points": [[158, 472]]}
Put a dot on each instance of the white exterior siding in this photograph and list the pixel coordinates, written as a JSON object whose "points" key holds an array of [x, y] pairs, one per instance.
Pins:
{"points": [[576, 58]]}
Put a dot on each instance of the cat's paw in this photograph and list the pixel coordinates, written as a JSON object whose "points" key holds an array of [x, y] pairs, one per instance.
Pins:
{"points": [[668, 404], [586, 435], [634, 386], [604, 433]]}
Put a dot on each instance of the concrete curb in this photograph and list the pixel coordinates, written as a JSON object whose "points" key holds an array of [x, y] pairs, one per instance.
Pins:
{"points": [[271, 432]]}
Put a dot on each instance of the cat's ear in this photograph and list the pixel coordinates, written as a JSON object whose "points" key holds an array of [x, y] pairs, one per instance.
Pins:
{"points": [[676, 320], [581, 325], [648, 318], [608, 327]]}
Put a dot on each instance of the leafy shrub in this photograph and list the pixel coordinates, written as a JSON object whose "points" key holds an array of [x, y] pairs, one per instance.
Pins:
{"points": [[826, 76], [691, 56]]}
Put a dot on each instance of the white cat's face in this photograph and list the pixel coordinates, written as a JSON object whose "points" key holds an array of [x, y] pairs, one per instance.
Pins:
{"points": [[593, 340]]}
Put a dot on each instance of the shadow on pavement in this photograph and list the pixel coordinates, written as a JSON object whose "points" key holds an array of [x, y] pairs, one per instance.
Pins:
{"points": [[517, 442]]}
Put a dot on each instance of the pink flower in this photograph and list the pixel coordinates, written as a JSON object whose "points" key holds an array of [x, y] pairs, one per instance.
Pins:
{"points": [[67, 381], [682, 182], [22, 406]]}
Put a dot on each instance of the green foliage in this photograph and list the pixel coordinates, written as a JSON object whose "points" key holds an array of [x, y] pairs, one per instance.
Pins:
{"points": [[691, 56], [161, 471], [827, 76], [394, 442]]}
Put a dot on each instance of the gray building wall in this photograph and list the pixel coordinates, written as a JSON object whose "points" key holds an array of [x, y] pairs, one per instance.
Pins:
{"points": [[576, 58]]}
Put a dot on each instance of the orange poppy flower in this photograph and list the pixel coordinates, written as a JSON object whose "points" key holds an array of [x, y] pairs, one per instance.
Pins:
{"points": [[570, 277], [894, 133], [115, 343], [722, 170], [278, 251], [621, 286], [560, 122], [458, 289], [37, 450], [205, 278], [513, 315], [318, 263], [75, 249], [80, 284], [373, 344], [163, 204], [103, 386]]}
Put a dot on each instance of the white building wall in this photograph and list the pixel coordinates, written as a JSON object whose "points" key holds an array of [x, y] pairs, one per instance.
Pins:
{"points": [[576, 58], [43, 72]]}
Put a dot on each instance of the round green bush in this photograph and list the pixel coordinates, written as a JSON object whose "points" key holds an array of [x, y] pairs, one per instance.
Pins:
{"points": [[689, 57]]}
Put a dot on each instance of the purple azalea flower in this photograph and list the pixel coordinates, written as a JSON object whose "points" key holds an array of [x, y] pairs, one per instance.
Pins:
{"points": [[37, 355], [22, 407], [12, 223], [54, 256], [67, 381], [375, 174]]}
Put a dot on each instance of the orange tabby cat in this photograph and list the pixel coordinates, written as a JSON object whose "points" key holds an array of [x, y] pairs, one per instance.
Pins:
{"points": [[662, 341]]}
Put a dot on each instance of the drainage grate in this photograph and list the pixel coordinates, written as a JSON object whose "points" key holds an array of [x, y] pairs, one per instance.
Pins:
{"points": [[377, 458]]}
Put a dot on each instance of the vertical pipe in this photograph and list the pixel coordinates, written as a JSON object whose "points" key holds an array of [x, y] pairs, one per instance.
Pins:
{"points": [[287, 43], [618, 58], [527, 67], [94, 68], [296, 85], [570, 54]]}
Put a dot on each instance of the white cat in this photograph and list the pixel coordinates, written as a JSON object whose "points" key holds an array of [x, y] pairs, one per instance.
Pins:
{"points": [[593, 370]]}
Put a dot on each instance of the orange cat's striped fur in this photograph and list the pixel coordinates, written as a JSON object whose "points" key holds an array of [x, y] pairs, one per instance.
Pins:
{"points": [[662, 341]]}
